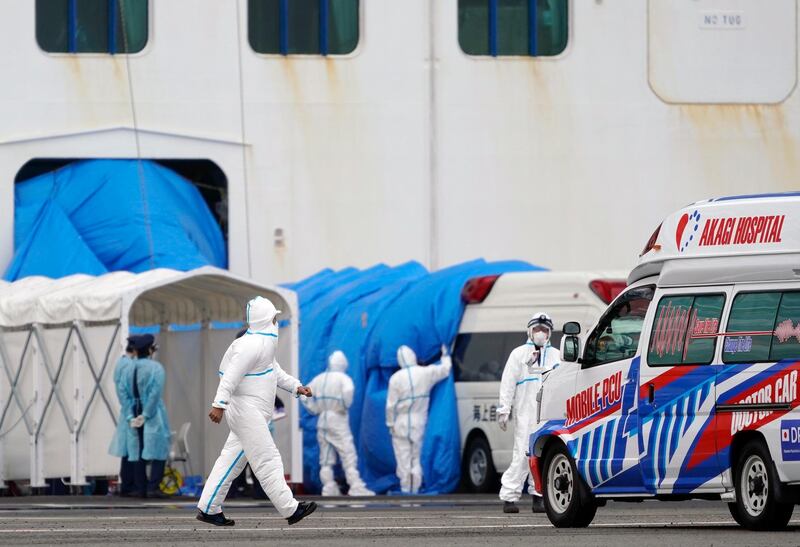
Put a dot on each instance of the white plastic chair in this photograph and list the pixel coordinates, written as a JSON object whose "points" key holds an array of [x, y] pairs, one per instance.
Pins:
{"points": [[179, 451]]}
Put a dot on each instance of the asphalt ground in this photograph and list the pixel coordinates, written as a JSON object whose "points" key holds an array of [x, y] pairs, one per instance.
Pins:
{"points": [[382, 520]]}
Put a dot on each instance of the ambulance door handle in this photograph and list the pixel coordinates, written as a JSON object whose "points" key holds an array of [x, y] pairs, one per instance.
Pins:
{"points": [[651, 393]]}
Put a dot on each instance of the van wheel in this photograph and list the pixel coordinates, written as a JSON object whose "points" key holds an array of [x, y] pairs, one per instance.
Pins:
{"points": [[754, 479], [478, 470], [567, 499]]}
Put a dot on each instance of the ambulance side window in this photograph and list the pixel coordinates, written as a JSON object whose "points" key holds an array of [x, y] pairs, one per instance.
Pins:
{"points": [[786, 337], [481, 356], [685, 330], [616, 336], [769, 323], [753, 315]]}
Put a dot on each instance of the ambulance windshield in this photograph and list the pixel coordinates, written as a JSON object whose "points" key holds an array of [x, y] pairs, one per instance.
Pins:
{"points": [[617, 334]]}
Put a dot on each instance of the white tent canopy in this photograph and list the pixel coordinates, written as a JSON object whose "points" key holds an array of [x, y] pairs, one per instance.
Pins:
{"points": [[60, 340], [155, 297]]}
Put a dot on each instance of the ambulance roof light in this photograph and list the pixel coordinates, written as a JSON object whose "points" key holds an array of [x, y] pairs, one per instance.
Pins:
{"points": [[477, 289], [607, 289], [651, 243]]}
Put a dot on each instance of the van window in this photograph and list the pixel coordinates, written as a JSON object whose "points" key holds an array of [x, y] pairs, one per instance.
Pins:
{"points": [[769, 323], [617, 333], [481, 356], [685, 330]]}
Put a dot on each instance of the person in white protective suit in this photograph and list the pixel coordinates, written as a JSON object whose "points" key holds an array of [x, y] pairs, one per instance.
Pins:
{"points": [[249, 377], [407, 412], [333, 395], [522, 378]]}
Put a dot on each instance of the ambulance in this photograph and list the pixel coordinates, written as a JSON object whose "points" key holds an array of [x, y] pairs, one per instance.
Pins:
{"points": [[497, 310], [687, 385]]}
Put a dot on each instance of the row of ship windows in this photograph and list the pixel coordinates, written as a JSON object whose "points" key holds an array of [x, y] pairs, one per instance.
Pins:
{"points": [[304, 27]]}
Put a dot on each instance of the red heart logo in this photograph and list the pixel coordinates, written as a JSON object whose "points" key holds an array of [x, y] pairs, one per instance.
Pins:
{"points": [[681, 227]]}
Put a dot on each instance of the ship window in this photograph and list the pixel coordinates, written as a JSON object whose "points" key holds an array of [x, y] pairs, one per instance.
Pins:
{"points": [[512, 27], [91, 26], [304, 27]]}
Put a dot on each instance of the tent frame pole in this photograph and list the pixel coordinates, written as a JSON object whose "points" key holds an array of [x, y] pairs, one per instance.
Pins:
{"points": [[79, 366], [36, 448], [13, 393], [78, 467], [45, 362]]}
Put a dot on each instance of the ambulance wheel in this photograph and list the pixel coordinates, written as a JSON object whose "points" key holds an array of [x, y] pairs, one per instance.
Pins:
{"points": [[734, 509], [754, 477], [567, 499], [478, 470]]}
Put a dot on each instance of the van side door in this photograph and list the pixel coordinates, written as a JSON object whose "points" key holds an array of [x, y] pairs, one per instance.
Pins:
{"points": [[757, 387], [601, 414], [677, 394]]}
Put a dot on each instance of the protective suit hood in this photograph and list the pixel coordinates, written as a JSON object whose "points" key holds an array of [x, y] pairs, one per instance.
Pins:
{"points": [[538, 320], [337, 362], [406, 357], [260, 313]]}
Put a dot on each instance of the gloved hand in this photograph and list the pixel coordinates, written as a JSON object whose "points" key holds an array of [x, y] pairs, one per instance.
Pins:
{"points": [[137, 422], [502, 421], [446, 359]]}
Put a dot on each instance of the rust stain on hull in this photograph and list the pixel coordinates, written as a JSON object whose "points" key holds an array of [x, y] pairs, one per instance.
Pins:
{"points": [[94, 77], [726, 132], [312, 92]]}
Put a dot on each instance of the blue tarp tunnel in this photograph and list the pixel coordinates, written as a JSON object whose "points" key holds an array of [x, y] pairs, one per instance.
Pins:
{"points": [[99, 216], [368, 314]]}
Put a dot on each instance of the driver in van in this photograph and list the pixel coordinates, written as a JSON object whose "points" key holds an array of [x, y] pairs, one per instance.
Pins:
{"points": [[521, 379]]}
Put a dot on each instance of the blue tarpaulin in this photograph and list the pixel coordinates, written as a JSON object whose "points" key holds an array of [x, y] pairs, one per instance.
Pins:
{"points": [[368, 314], [336, 321], [98, 216]]}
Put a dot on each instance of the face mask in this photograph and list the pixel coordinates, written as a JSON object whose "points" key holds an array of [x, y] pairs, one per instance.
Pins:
{"points": [[540, 338]]}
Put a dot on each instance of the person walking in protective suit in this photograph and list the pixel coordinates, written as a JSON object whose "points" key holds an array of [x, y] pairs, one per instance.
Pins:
{"points": [[407, 412], [521, 379], [250, 375], [333, 395]]}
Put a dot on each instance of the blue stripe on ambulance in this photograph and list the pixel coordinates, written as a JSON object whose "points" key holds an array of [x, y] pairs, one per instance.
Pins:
{"points": [[605, 469], [596, 438]]}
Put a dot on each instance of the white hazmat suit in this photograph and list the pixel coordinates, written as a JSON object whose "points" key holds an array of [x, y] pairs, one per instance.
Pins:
{"points": [[407, 412], [522, 378], [249, 378], [333, 395]]}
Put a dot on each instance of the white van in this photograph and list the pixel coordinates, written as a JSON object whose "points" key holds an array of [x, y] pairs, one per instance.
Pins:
{"points": [[497, 312], [687, 385]]}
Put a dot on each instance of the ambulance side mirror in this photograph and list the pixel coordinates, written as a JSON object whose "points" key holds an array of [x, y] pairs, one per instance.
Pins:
{"points": [[570, 343]]}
